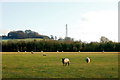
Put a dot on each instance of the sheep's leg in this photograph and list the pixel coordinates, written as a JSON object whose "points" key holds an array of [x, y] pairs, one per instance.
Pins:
{"points": [[65, 64], [68, 63]]}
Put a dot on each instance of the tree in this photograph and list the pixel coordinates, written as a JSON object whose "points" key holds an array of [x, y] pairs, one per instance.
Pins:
{"points": [[84, 46], [55, 37], [54, 45], [75, 48], [32, 34], [17, 35], [25, 34], [78, 45], [68, 39], [104, 39], [60, 39], [51, 37]]}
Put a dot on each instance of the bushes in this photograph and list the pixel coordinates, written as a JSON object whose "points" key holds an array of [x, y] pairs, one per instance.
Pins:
{"points": [[53, 46]]}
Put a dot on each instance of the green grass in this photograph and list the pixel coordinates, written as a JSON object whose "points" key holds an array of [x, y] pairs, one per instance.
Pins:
{"points": [[27, 39], [26, 65]]}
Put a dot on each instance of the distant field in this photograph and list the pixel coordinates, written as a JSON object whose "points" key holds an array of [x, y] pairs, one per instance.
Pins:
{"points": [[27, 39], [27, 65]]}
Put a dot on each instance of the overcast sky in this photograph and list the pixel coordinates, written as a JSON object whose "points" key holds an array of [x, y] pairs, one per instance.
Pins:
{"points": [[87, 20]]}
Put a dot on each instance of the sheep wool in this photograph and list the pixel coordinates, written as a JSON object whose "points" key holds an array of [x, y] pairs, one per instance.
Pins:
{"points": [[44, 54], [66, 60], [87, 60]]}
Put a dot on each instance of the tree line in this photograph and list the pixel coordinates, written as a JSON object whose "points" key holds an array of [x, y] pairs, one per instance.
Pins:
{"points": [[23, 34], [54, 46]]}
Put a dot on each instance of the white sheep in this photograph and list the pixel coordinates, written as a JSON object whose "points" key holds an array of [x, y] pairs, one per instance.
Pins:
{"points": [[65, 61], [44, 54], [32, 52], [87, 60]]}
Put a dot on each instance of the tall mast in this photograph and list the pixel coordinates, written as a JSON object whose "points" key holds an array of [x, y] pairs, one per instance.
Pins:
{"points": [[66, 31]]}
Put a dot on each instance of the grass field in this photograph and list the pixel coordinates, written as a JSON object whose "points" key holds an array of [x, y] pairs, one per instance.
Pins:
{"points": [[26, 65], [27, 39]]}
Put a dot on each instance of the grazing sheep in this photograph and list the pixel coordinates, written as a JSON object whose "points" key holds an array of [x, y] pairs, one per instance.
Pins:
{"points": [[103, 51], [18, 51], [65, 61], [44, 54], [87, 60], [41, 51], [32, 52]]}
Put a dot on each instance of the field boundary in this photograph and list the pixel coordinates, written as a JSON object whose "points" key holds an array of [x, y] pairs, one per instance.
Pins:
{"points": [[61, 52]]}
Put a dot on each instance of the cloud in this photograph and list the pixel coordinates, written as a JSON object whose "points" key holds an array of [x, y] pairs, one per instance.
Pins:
{"points": [[105, 21], [94, 24]]}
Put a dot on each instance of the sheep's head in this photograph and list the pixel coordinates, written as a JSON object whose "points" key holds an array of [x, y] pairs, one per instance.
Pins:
{"points": [[63, 60]]}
